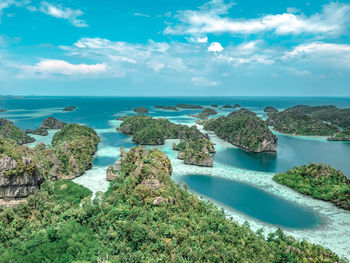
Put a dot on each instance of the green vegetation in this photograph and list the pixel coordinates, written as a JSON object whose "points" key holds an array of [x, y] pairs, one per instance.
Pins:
{"points": [[52, 123], [188, 106], [329, 113], [141, 110], [319, 181], [205, 113], [9, 131], [245, 130], [173, 108], [270, 109], [298, 123], [144, 217], [149, 131], [196, 152], [39, 131], [344, 135], [75, 146]]}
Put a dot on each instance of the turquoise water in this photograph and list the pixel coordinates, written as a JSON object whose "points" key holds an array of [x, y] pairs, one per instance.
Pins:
{"points": [[291, 151], [252, 201], [100, 113]]}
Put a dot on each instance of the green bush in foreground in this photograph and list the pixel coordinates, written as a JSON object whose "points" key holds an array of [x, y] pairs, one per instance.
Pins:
{"points": [[319, 181], [140, 222]]}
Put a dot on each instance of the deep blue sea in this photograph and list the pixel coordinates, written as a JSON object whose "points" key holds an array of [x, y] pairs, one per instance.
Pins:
{"points": [[98, 112]]}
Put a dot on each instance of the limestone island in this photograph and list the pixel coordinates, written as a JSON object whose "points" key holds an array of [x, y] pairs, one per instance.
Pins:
{"points": [[194, 148], [141, 110], [171, 108], [205, 114], [52, 123], [39, 131], [295, 122], [24, 169], [245, 130], [70, 108], [318, 181], [270, 109], [214, 105], [188, 106], [10, 131], [2, 110]]}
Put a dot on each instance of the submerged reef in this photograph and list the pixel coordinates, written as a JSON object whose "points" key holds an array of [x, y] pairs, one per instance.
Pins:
{"points": [[10, 131], [318, 181], [245, 130], [296, 122]]}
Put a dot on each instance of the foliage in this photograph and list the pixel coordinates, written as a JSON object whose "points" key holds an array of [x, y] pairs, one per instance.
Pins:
{"points": [[188, 106], [295, 122], [205, 113], [319, 181], [173, 108], [9, 131], [127, 225], [344, 135], [245, 130]]}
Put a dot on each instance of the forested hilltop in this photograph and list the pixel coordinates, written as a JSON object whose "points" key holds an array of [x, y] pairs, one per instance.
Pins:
{"points": [[143, 217], [244, 129]]}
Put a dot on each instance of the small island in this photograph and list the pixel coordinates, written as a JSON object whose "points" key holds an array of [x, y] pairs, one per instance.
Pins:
{"points": [[194, 148], [245, 130], [295, 122], [2, 110], [214, 105], [227, 106], [70, 108], [270, 109], [141, 110], [10, 131], [205, 114], [52, 123], [188, 106], [171, 108], [318, 181], [39, 131]]}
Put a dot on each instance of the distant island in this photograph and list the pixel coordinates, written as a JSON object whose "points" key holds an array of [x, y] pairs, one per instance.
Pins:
{"points": [[188, 106], [70, 108], [171, 108], [141, 110]]}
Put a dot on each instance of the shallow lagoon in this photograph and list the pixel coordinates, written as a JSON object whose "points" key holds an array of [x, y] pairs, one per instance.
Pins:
{"points": [[252, 201]]}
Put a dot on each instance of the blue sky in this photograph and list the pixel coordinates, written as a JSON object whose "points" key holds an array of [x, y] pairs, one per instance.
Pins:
{"points": [[175, 48]]}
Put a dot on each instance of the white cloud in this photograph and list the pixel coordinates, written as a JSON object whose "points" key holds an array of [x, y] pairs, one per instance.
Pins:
{"points": [[59, 11], [141, 14], [215, 47], [331, 20], [203, 39], [201, 81], [52, 67]]}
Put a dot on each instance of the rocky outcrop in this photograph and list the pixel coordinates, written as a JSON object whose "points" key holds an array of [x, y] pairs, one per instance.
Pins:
{"points": [[245, 130], [52, 123], [9, 131], [70, 108], [214, 105], [18, 181], [227, 106], [39, 131], [237, 106], [2, 110], [141, 110]]}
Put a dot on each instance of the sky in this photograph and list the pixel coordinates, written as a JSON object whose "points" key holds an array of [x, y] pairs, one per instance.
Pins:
{"points": [[175, 48]]}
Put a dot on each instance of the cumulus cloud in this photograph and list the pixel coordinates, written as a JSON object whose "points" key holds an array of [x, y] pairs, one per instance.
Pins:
{"points": [[61, 67], [213, 18], [8, 3], [61, 12], [215, 47]]}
